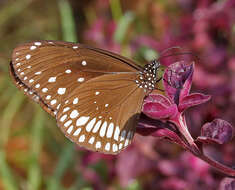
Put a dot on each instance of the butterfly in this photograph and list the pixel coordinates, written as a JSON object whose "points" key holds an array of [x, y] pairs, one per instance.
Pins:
{"points": [[95, 95]]}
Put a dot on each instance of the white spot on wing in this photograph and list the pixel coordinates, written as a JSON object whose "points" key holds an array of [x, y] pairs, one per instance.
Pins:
{"points": [[82, 121], [28, 56], [38, 73], [52, 79], [63, 118], [70, 129], [74, 114], [116, 133], [38, 43], [81, 79], [103, 129], [37, 85], [84, 63], [61, 91], [68, 71], [66, 109], [67, 123], [92, 140], [76, 133], [115, 147], [107, 146], [44, 90], [82, 138], [90, 125], [123, 135], [33, 47], [126, 142], [98, 144], [97, 126], [75, 101], [75, 47], [97, 93], [110, 130], [53, 102], [48, 97], [31, 80]]}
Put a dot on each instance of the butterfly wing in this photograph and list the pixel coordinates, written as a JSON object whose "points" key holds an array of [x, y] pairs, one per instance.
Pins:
{"points": [[48, 71], [101, 114]]}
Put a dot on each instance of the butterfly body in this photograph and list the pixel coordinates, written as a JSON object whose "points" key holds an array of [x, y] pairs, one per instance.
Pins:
{"points": [[95, 95]]}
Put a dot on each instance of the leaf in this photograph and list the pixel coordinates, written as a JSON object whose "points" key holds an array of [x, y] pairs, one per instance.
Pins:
{"points": [[218, 131], [192, 100]]}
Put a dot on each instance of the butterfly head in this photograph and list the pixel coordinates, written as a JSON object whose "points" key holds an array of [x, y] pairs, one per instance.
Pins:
{"points": [[148, 78]]}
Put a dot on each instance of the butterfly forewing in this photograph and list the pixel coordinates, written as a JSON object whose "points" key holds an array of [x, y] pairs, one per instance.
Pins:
{"points": [[48, 71], [101, 114]]}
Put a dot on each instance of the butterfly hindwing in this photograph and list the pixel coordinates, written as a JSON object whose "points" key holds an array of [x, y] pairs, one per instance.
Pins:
{"points": [[102, 113]]}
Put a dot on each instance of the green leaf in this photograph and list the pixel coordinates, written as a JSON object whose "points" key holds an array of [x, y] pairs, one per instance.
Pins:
{"points": [[67, 21], [122, 27], [34, 171]]}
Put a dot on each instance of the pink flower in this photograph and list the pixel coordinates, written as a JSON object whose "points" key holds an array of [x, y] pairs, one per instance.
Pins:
{"points": [[164, 115]]}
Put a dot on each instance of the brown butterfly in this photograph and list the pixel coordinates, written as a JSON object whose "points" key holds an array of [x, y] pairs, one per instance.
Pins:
{"points": [[95, 95]]}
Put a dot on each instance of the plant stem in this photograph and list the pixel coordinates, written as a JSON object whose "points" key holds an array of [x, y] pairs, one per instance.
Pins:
{"points": [[218, 166]]}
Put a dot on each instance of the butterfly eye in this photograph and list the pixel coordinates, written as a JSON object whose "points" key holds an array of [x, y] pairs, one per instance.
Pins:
{"points": [[95, 95]]}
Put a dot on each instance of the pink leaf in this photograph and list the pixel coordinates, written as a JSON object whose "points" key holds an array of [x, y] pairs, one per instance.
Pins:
{"points": [[192, 100]]}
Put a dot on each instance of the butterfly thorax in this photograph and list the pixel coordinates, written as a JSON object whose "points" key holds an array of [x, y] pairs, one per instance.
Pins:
{"points": [[147, 78]]}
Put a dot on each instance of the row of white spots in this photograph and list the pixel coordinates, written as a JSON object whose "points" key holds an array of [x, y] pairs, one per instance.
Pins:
{"points": [[104, 128]]}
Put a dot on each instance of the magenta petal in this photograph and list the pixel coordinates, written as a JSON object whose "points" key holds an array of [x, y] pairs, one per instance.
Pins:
{"points": [[227, 184], [192, 100], [158, 98], [187, 85], [217, 131], [159, 111], [177, 80]]}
